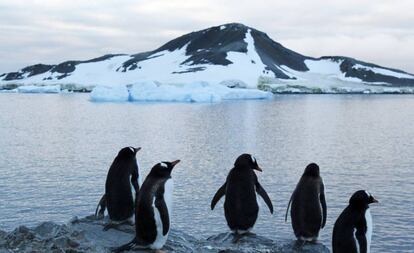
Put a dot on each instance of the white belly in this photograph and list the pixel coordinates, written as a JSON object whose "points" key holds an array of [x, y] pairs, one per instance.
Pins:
{"points": [[162, 239], [368, 234]]}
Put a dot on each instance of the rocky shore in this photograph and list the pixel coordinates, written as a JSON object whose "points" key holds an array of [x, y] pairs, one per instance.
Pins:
{"points": [[86, 235]]}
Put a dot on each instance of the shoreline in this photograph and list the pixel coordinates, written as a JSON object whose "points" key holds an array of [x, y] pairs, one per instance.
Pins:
{"points": [[86, 235]]}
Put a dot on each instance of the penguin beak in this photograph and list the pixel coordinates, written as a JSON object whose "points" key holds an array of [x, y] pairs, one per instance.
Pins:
{"points": [[374, 200], [175, 163], [258, 169], [137, 149]]}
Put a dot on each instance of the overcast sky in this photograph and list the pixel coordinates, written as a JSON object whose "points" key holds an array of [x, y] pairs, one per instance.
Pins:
{"points": [[52, 31]]}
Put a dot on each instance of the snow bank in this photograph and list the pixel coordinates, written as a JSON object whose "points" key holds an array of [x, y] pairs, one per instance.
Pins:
{"points": [[109, 94], [197, 92], [39, 89]]}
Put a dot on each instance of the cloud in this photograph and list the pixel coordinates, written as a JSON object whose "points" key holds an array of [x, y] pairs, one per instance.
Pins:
{"points": [[52, 31]]}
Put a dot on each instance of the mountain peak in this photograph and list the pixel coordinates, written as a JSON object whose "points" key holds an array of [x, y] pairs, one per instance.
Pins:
{"points": [[226, 52]]}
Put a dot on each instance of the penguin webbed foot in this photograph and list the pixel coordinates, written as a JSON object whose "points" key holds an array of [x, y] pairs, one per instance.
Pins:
{"points": [[237, 236], [299, 244], [116, 226]]}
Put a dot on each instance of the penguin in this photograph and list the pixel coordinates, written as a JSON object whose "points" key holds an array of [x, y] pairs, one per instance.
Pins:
{"points": [[353, 229], [153, 209], [118, 197], [308, 210], [240, 205]]}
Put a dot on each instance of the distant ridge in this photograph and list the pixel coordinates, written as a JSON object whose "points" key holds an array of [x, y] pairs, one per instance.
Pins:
{"points": [[216, 54]]}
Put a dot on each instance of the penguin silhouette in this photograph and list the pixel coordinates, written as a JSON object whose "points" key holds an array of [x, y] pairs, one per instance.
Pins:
{"points": [[240, 205], [153, 209], [118, 197], [353, 229], [308, 211]]}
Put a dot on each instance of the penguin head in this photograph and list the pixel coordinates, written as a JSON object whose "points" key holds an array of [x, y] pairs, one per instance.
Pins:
{"points": [[362, 198], [163, 169], [128, 152], [247, 161], [312, 170]]}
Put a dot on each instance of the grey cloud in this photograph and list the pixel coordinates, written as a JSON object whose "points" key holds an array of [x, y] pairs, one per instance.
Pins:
{"points": [[53, 31]]}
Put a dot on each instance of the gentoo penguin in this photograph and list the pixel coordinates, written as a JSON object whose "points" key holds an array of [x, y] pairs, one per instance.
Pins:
{"points": [[353, 229], [153, 209], [308, 210], [118, 196], [240, 205]]}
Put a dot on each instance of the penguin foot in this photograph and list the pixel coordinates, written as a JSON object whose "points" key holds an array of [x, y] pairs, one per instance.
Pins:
{"points": [[299, 244], [237, 237], [113, 225]]}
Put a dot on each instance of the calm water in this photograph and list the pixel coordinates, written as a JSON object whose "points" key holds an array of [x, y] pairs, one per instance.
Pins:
{"points": [[55, 151]]}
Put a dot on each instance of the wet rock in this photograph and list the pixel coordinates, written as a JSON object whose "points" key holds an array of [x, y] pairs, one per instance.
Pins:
{"points": [[252, 243], [86, 235]]}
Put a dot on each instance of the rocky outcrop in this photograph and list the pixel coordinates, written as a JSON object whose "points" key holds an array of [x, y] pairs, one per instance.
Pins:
{"points": [[86, 235]]}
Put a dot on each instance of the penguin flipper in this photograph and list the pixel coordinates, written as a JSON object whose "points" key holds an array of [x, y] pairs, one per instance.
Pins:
{"points": [[219, 194], [323, 203], [287, 209], [361, 239], [101, 206], [265, 197], [163, 210], [134, 179]]}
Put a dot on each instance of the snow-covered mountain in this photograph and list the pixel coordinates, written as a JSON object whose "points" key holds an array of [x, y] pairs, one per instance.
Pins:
{"points": [[231, 54]]}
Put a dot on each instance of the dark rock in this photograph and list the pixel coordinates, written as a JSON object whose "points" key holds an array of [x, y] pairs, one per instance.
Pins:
{"points": [[86, 235]]}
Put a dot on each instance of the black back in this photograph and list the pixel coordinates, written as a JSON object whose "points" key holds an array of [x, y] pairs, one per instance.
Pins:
{"points": [[350, 227], [240, 205], [118, 192], [308, 210]]}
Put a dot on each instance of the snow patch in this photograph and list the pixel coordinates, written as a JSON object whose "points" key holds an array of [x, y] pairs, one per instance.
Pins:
{"points": [[382, 71], [324, 67]]}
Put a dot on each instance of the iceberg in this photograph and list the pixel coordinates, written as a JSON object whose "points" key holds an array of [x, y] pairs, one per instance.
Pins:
{"points": [[196, 92], [39, 89], [110, 94]]}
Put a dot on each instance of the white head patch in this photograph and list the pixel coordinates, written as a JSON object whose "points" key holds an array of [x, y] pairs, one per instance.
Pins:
{"points": [[132, 149], [253, 159], [164, 165], [368, 194]]}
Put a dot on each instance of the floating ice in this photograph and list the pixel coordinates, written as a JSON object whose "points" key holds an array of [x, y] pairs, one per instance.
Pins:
{"points": [[39, 89], [110, 94], [198, 92]]}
